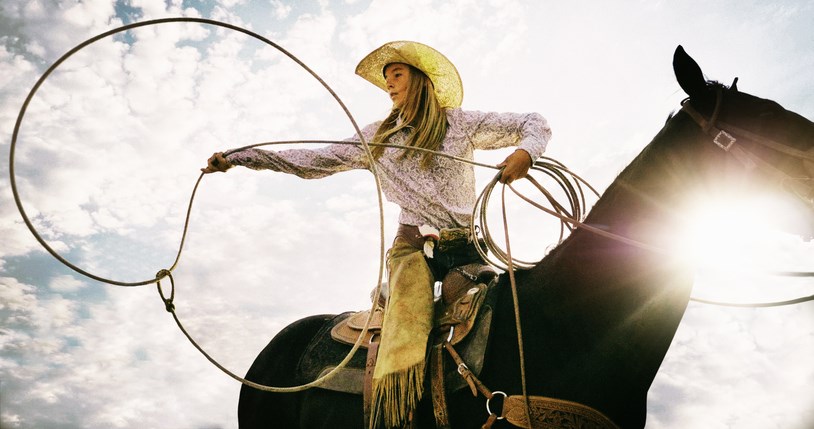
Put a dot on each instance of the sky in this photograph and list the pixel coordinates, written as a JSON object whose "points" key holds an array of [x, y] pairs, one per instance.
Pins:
{"points": [[111, 146]]}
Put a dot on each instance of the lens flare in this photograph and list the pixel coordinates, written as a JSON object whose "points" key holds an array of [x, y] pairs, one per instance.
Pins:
{"points": [[735, 243]]}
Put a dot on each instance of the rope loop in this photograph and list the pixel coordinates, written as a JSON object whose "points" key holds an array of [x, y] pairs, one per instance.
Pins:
{"points": [[168, 302]]}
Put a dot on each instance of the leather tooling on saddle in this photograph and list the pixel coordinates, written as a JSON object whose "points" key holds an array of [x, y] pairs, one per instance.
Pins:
{"points": [[470, 293]]}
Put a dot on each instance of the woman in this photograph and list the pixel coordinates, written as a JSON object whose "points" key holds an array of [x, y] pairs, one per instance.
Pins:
{"points": [[434, 193]]}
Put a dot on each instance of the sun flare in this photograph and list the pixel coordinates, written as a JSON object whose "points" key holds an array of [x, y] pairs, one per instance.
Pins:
{"points": [[735, 244], [723, 234]]}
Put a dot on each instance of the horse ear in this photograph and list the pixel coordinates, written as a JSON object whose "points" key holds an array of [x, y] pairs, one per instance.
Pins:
{"points": [[689, 74], [734, 86]]}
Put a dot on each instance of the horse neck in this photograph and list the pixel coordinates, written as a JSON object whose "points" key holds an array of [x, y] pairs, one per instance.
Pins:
{"points": [[640, 205], [642, 202], [595, 302]]}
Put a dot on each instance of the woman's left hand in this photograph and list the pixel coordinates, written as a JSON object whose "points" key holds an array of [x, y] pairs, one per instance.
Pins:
{"points": [[216, 162], [515, 166]]}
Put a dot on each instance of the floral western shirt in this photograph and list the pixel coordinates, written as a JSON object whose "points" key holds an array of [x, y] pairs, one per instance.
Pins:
{"points": [[441, 195]]}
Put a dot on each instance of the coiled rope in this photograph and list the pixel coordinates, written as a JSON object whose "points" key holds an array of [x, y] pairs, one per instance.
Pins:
{"points": [[570, 215]]}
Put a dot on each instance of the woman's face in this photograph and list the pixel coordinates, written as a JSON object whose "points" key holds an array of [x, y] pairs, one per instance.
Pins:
{"points": [[397, 78]]}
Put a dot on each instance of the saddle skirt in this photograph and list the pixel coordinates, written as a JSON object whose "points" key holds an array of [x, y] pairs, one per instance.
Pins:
{"points": [[465, 321]]}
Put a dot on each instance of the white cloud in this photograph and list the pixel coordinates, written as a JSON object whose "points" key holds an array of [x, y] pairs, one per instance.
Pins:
{"points": [[230, 3], [51, 21], [13, 68], [92, 370], [281, 9], [98, 12], [733, 370], [66, 283], [152, 9], [15, 295]]}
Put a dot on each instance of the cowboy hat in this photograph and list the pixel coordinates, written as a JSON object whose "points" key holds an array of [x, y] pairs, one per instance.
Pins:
{"points": [[444, 76]]}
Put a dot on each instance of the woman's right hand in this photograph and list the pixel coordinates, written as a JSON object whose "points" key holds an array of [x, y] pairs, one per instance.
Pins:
{"points": [[216, 162]]}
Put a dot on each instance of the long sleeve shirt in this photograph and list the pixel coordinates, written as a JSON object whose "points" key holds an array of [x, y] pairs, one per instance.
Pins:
{"points": [[441, 195]]}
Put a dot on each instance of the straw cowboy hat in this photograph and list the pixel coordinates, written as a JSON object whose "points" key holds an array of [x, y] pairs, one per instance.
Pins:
{"points": [[444, 76]]}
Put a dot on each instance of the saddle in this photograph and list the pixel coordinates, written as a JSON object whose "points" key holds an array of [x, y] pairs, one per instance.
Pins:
{"points": [[464, 316], [462, 291]]}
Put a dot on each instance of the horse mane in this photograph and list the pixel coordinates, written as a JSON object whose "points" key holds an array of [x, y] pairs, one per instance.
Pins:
{"points": [[649, 159], [712, 85]]}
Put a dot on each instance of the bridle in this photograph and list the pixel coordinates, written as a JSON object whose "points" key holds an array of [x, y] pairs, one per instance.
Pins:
{"points": [[723, 136]]}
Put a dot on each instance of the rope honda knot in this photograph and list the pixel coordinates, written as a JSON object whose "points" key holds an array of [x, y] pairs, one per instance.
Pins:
{"points": [[168, 304]]}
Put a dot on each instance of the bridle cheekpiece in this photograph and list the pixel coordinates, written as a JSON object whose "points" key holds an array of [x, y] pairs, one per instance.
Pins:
{"points": [[727, 142]]}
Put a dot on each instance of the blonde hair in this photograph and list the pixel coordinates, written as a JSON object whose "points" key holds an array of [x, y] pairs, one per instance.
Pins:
{"points": [[421, 114]]}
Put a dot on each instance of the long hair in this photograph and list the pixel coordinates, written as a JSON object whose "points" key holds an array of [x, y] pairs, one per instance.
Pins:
{"points": [[420, 114]]}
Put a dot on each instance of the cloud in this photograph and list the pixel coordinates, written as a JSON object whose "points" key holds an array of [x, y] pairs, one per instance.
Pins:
{"points": [[734, 368], [152, 9], [16, 296], [90, 371], [281, 10], [66, 284], [44, 24]]}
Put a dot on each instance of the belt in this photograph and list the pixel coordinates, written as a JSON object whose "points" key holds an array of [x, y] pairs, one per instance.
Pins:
{"points": [[447, 238], [410, 234]]}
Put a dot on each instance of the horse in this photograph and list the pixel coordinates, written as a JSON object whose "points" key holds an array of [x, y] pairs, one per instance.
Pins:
{"points": [[598, 314]]}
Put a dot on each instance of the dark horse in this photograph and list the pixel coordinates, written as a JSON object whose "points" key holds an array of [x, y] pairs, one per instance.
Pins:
{"points": [[598, 315]]}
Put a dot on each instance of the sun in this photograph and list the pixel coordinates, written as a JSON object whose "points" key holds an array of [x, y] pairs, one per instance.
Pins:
{"points": [[736, 243], [724, 233]]}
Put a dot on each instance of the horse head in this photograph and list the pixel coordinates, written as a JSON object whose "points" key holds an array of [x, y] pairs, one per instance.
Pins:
{"points": [[760, 138]]}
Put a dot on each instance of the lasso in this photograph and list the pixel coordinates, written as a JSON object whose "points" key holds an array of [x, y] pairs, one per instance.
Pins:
{"points": [[167, 273], [570, 215]]}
